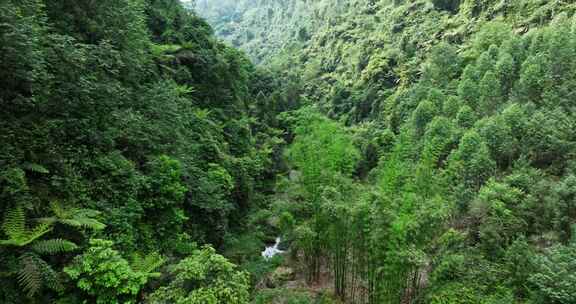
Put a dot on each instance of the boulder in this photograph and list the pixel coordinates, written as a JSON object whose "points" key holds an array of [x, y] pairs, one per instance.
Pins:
{"points": [[280, 276]]}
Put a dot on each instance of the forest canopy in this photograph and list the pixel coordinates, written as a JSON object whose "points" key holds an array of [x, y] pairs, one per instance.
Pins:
{"points": [[395, 151]]}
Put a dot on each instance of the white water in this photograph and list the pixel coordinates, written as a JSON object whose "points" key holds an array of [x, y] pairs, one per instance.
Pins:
{"points": [[271, 251]]}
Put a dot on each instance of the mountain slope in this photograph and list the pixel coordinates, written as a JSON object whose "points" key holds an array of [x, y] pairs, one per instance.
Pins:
{"points": [[123, 121], [462, 113]]}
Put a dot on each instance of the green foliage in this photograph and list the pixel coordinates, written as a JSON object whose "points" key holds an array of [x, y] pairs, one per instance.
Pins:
{"points": [[471, 162], [519, 261], [490, 93], [140, 126], [553, 276], [135, 123], [14, 226], [147, 263], [290, 296], [449, 5], [443, 63], [204, 277], [493, 208], [35, 273], [73, 217], [53, 246], [321, 151], [456, 294], [244, 249], [32, 271], [423, 115], [325, 157], [465, 89], [105, 276]]}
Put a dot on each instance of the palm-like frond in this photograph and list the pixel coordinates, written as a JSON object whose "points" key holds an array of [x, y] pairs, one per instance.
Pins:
{"points": [[147, 263], [30, 275], [36, 233], [14, 227], [74, 217], [50, 277], [53, 246], [59, 210], [80, 222], [35, 273], [86, 213], [36, 168]]}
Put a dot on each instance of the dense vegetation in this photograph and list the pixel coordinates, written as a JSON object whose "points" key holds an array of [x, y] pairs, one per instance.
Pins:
{"points": [[435, 160], [128, 142], [406, 151]]}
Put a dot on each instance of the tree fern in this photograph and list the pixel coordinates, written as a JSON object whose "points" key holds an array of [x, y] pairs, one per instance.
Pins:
{"points": [[50, 276], [59, 210], [35, 168], [147, 263], [14, 227], [30, 276], [36, 233], [74, 217], [35, 273], [53, 246]]}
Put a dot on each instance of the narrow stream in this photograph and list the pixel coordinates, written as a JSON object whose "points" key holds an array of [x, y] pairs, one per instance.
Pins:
{"points": [[270, 251]]}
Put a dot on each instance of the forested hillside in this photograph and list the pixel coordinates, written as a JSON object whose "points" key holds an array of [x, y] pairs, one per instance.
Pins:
{"points": [[434, 161], [398, 151], [128, 142], [266, 28]]}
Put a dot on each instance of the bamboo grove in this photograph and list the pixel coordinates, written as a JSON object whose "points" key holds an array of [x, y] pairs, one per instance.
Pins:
{"points": [[440, 215]]}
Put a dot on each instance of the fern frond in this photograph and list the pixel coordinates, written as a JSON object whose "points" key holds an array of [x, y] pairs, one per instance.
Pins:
{"points": [[87, 213], [30, 275], [70, 222], [84, 223], [49, 277], [14, 225], [47, 220], [35, 273], [147, 263], [53, 246], [74, 217], [37, 232], [184, 90], [59, 210], [7, 243], [36, 168]]}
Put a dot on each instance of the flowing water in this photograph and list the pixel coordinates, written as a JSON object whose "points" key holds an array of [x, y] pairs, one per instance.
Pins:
{"points": [[270, 251]]}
